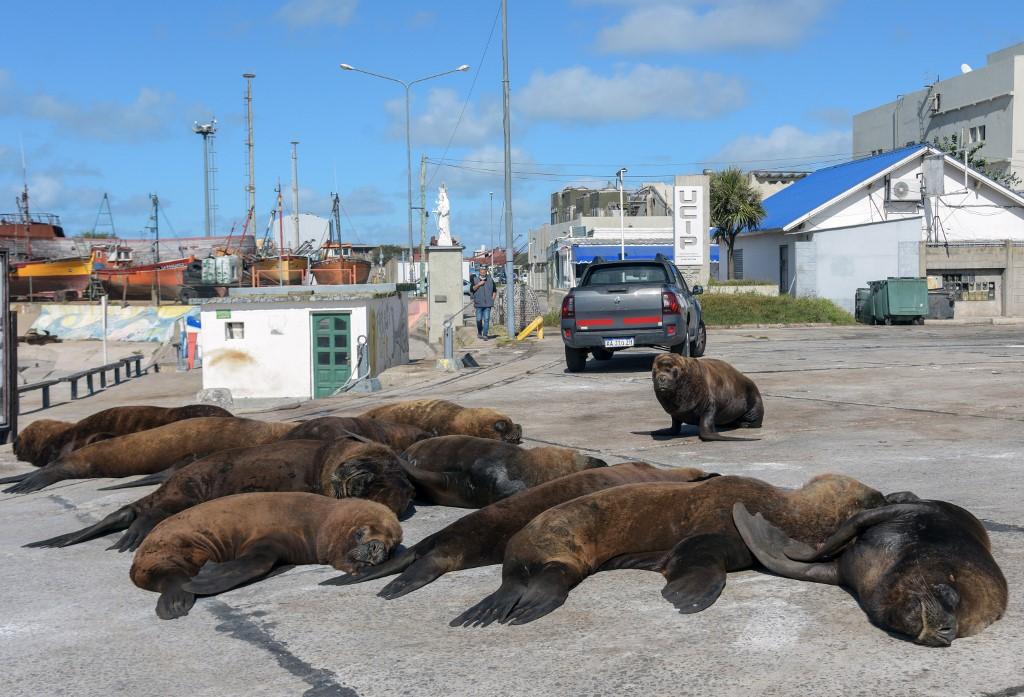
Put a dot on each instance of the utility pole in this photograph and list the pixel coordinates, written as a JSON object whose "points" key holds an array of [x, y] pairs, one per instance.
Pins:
{"points": [[423, 221], [491, 193], [622, 216], [156, 245], [207, 131], [296, 238], [251, 188], [510, 322]]}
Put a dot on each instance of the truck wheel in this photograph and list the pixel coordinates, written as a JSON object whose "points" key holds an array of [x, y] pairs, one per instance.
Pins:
{"points": [[888, 321], [575, 359], [602, 354], [699, 344]]}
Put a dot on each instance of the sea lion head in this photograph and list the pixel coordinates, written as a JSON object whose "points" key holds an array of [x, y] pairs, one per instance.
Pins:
{"points": [[484, 422], [364, 536], [366, 471], [41, 441], [585, 462], [672, 376], [921, 602]]}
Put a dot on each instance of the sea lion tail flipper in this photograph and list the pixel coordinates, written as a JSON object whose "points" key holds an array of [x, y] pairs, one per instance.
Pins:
{"points": [[707, 430], [15, 478], [393, 565], [493, 608], [157, 478], [137, 531], [421, 572], [118, 520], [34, 481], [767, 542], [217, 577], [848, 530]]}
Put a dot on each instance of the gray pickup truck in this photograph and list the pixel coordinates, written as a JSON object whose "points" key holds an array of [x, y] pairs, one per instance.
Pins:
{"points": [[623, 304]]}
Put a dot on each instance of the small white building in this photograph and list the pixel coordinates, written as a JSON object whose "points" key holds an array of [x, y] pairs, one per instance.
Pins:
{"points": [[908, 212], [265, 343]]}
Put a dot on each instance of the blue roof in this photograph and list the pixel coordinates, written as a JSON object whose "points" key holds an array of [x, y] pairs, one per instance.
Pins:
{"points": [[821, 186]]}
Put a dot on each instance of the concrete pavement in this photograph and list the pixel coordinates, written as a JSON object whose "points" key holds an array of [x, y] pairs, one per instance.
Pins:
{"points": [[936, 410]]}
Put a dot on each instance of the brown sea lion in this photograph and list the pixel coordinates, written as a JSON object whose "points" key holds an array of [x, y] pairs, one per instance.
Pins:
{"points": [[684, 531], [45, 440], [396, 435], [221, 544], [341, 468], [923, 569], [443, 418], [706, 393], [155, 450], [479, 539], [470, 472]]}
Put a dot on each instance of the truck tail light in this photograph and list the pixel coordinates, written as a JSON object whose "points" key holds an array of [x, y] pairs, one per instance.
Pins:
{"points": [[669, 303], [568, 307]]}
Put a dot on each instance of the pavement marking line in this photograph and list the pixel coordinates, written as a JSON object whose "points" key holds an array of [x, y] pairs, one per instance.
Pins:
{"points": [[237, 625], [993, 526], [889, 406]]}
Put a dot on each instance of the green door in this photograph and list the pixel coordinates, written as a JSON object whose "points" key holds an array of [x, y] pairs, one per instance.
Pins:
{"points": [[331, 367]]}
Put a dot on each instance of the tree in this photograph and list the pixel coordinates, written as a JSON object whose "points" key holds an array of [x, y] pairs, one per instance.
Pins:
{"points": [[735, 207], [952, 147]]}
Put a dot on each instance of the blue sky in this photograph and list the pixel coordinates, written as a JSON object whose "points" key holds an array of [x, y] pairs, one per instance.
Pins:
{"points": [[103, 97]]}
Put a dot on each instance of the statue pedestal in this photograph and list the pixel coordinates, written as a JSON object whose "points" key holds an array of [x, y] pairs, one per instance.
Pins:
{"points": [[444, 289]]}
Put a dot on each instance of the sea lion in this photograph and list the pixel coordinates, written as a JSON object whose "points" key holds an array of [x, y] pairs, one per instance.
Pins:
{"points": [[443, 418], [923, 569], [45, 440], [706, 393], [156, 450], [396, 435], [479, 539], [341, 468], [221, 544], [471, 472], [684, 531]]}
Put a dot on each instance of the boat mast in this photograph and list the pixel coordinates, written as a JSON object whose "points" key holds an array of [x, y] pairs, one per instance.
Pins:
{"points": [[296, 238], [156, 248], [26, 217], [250, 217], [336, 218], [280, 232]]}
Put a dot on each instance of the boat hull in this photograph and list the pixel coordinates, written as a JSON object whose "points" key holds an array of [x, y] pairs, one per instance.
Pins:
{"points": [[48, 278], [270, 272], [138, 283], [341, 272]]}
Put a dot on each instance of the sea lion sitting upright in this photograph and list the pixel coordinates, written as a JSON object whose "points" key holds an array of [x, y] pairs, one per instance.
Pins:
{"points": [[922, 569], [394, 435], [706, 393], [683, 531], [342, 468], [221, 544], [479, 539], [45, 440], [160, 449], [443, 418], [470, 472]]}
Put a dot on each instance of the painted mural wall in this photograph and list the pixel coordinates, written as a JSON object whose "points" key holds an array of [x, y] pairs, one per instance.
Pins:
{"points": [[132, 323], [387, 340]]}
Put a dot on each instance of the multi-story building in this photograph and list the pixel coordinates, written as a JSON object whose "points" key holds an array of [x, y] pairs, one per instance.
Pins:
{"points": [[979, 104]]}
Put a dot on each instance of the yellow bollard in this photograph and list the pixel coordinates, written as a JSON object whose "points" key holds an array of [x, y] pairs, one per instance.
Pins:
{"points": [[537, 324]]}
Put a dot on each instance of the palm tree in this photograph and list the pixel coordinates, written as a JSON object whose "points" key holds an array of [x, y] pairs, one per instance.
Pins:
{"points": [[735, 207]]}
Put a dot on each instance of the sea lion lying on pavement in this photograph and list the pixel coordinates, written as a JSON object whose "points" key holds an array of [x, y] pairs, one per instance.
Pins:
{"points": [[443, 418], [922, 569], [684, 531], [221, 544], [341, 468], [706, 393], [45, 440], [479, 539], [470, 472], [155, 450], [394, 435]]}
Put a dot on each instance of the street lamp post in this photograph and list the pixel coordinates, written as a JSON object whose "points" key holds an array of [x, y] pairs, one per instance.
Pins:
{"points": [[408, 138], [622, 217]]}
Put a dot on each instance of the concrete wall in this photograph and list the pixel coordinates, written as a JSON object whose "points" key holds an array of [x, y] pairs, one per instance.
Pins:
{"points": [[80, 321], [1002, 263], [444, 274]]}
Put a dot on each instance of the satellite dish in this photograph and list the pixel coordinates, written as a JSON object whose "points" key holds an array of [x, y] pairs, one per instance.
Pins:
{"points": [[964, 68]]}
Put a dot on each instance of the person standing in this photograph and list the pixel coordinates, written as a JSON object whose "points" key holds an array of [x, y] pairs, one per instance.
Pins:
{"points": [[483, 291]]}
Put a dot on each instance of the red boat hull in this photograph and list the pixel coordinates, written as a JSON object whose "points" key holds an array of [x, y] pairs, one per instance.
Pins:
{"points": [[341, 272]]}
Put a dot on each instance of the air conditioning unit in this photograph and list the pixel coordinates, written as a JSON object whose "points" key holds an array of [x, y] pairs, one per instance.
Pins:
{"points": [[905, 189]]}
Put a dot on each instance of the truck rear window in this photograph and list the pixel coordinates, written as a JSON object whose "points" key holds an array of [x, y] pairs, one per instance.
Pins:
{"points": [[641, 273]]}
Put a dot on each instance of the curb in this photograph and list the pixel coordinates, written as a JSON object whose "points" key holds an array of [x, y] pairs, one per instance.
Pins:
{"points": [[780, 325]]}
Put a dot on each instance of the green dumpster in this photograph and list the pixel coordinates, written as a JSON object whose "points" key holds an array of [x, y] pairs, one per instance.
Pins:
{"points": [[862, 306], [898, 300]]}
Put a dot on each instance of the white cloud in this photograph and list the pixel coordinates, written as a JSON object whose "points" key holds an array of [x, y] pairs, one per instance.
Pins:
{"points": [[434, 124], [690, 26], [786, 147], [302, 13], [578, 95], [368, 200]]}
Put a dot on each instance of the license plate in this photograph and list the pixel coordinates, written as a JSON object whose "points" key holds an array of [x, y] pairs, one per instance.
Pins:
{"points": [[621, 342]]}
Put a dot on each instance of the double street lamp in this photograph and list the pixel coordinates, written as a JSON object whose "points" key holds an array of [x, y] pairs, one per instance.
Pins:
{"points": [[408, 139]]}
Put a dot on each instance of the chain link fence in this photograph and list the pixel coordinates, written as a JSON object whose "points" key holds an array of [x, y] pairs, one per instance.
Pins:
{"points": [[527, 306]]}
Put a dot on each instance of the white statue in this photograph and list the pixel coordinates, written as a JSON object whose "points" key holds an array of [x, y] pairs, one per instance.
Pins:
{"points": [[443, 211]]}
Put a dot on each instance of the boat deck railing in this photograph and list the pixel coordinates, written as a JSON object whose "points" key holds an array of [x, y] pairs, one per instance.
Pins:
{"points": [[19, 219]]}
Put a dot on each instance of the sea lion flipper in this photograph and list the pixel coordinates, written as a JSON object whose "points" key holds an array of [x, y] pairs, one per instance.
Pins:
{"points": [[493, 608], [545, 593], [766, 542], [393, 565], [136, 533], [174, 602], [695, 570], [696, 588], [157, 478], [420, 573], [15, 478], [643, 561], [217, 577], [118, 520], [851, 528], [34, 481]]}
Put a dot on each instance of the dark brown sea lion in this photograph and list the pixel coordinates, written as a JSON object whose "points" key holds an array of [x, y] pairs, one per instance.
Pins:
{"points": [[396, 435], [221, 544], [341, 468], [155, 450], [706, 393], [684, 531], [923, 569], [443, 418], [479, 539], [470, 472], [45, 440]]}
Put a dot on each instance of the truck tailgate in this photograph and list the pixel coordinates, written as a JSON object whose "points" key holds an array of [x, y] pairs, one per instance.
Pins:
{"points": [[625, 307]]}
